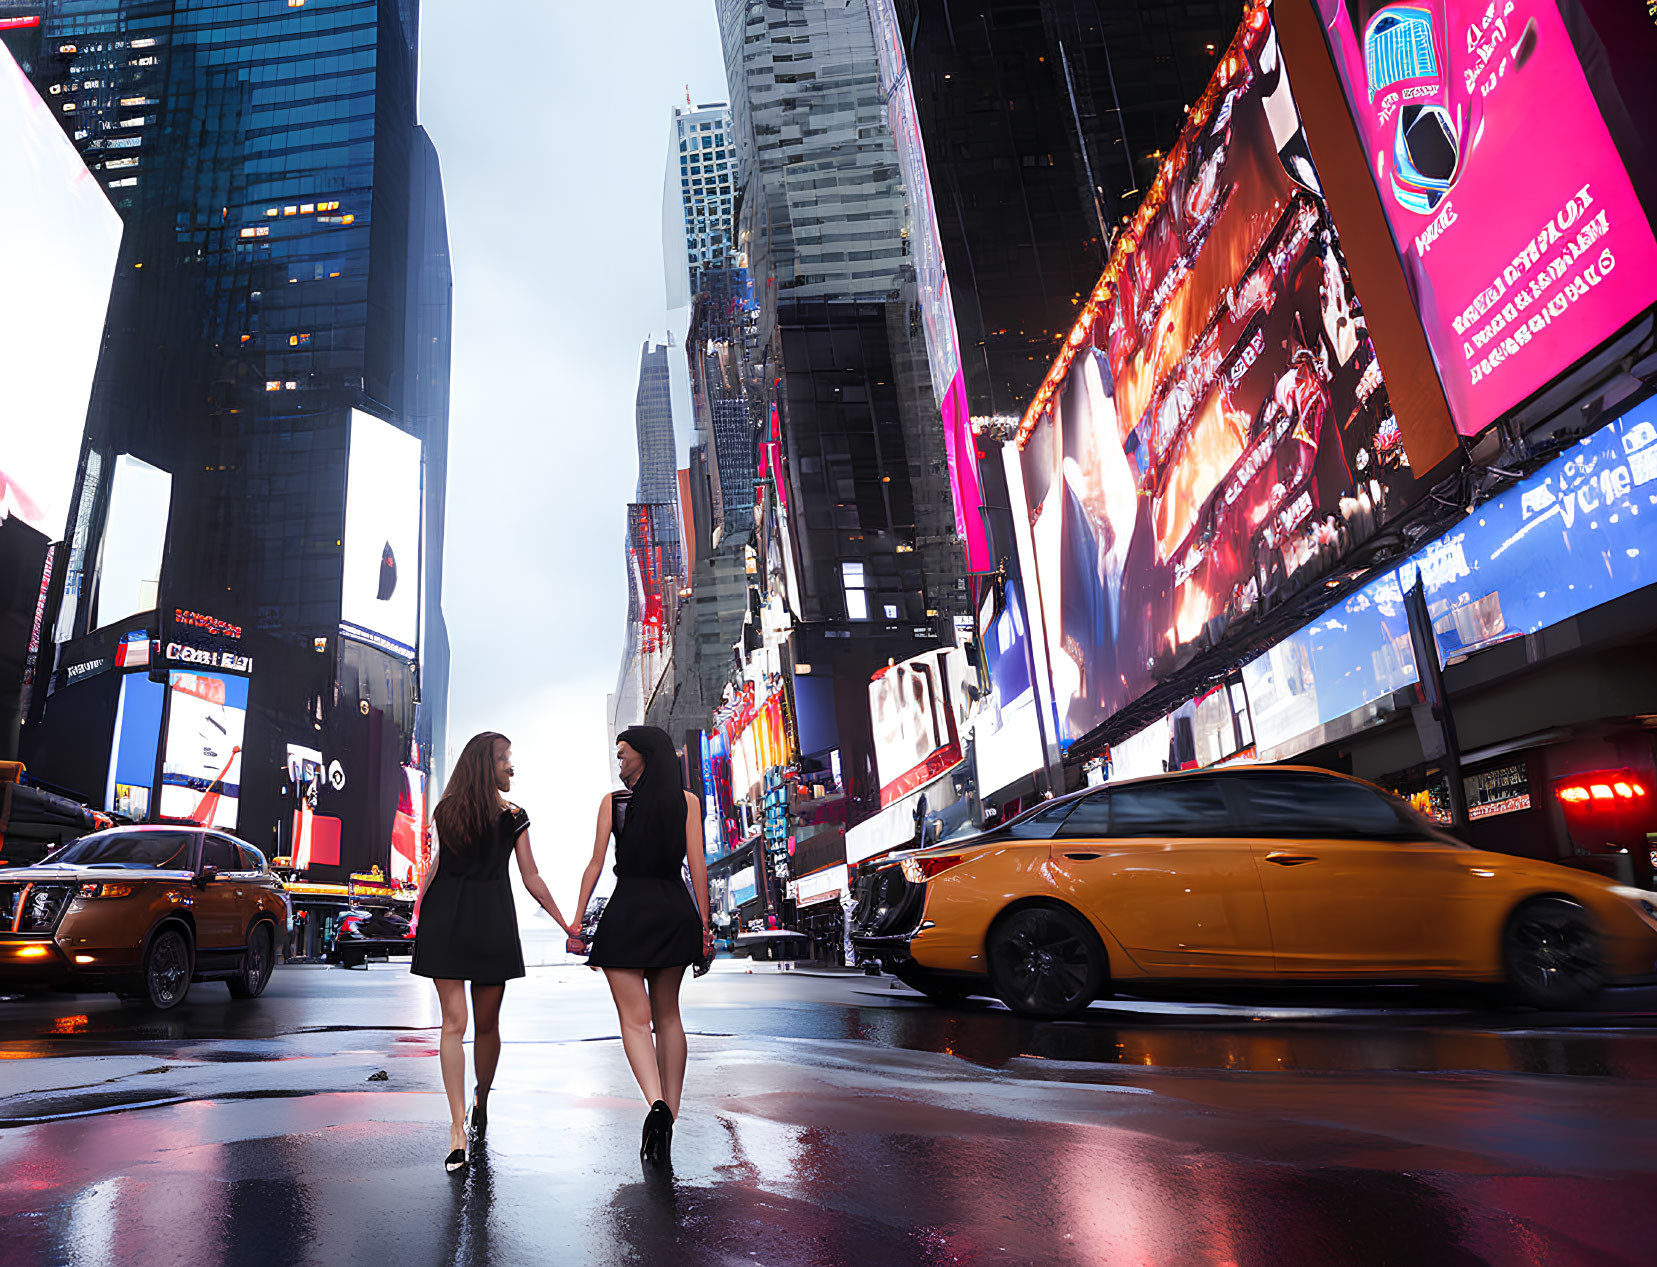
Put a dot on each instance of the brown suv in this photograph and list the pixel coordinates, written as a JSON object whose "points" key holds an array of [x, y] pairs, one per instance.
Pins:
{"points": [[143, 911]]}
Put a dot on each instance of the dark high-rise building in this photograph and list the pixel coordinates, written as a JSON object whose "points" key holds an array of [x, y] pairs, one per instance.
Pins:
{"points": [[1043, 122], [278, 344]]}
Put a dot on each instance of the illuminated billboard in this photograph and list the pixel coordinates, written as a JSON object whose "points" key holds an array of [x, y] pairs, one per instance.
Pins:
{"points": [[1216, 430], [915, 716], [1521, 235], [134, 540], [1006, 732], [932, 292], [62, 237], [1578, 533], [137, 740], [201, 767], [380, 579]]}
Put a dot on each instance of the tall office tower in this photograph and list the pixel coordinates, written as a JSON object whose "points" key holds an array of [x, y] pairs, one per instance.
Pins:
{"points": [[824, 213], [273, 386], [1043, 122], [653, 421], [705, 164]]}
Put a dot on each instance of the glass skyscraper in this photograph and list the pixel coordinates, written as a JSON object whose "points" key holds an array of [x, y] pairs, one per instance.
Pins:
{"points": [[285, 264]]}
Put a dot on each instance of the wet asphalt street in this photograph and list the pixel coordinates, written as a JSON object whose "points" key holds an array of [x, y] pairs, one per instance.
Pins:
{"points": [[830, 1120]]}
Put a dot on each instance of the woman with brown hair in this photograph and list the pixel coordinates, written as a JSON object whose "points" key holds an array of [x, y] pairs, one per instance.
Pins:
{"points": [[467, 927], [651, 930]]}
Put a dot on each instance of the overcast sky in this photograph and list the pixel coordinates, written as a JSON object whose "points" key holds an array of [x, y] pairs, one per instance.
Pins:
{"points": [[551, 120]]}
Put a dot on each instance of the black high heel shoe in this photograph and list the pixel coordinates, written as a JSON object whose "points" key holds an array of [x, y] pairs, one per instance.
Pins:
{"points": [[658, 1134], [456, 1161], [477, 1121]]}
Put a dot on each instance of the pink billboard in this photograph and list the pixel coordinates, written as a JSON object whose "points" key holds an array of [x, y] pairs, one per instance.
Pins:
{"points": [[1521, 235]]}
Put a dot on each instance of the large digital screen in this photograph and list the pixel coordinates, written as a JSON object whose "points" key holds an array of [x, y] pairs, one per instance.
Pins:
{"points": [[62, 237], [137, 741], [916, 734], [1579, 532], [1217, 429], [135, 538], [932, 291], [1006, 731], [201, 767], [380, 581], [1521, 235]]}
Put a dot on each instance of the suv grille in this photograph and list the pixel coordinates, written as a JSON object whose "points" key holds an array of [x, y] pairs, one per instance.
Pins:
{"points": [[887, 904], [32, 908]]}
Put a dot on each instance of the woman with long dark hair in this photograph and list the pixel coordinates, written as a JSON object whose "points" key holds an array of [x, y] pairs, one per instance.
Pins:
{"points": [[467, 926], [651, 930]]}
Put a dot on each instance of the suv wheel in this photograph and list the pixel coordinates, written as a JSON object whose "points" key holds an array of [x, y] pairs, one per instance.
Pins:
{"points": [[167, 968], [250, 982], [1046, 961], [1551, 955]]}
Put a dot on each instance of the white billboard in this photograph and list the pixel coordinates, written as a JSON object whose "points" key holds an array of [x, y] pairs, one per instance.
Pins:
{"points": [[135, 538], [61, 238], [201, 766], [380, 582]]}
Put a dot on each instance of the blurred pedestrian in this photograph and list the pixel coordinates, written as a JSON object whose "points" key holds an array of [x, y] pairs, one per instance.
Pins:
{"points": [[466, 927], [652, 928]]}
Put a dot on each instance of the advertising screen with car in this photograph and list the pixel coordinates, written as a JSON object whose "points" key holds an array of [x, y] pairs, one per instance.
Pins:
{"points": [[201, 767], [1217, 429], [1521, 233], [380, 581]]}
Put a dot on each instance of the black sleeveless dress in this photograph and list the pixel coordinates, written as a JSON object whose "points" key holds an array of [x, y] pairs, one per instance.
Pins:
{"points": [[651, 919], [468, 923]]}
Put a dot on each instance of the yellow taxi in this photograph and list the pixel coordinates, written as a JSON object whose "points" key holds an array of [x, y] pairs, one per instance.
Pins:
{"points": [[1269, 874]]}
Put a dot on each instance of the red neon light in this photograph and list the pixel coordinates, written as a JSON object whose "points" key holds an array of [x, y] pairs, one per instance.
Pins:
{"points": [[1603, 789], [13, 24]]}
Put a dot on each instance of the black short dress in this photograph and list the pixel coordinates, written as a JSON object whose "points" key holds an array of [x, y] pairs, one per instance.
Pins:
{"points": [[468, 927], [651, 919]]}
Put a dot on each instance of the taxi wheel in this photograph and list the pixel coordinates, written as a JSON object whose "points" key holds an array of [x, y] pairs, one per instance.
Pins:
{"points": [[250, 982], [1551, 955], [167, 968], [1046, 961]]}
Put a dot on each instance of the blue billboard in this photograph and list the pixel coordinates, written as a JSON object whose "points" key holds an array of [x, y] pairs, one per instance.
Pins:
{"points": [[1580, 532]]}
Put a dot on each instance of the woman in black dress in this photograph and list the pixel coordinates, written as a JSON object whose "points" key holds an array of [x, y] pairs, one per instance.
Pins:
{"points": [[466, 924], [651, 930]]}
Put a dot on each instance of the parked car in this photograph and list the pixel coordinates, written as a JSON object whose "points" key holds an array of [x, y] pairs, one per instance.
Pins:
{"points": [[1257, 874], [363, 933], [143, 911]]}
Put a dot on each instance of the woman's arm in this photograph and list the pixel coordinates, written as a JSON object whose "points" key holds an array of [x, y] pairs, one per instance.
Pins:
{"points": [[595, 868], [425, 883], [697, 860], [534, 883]]}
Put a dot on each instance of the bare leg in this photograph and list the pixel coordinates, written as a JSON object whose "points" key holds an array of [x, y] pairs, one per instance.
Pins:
{"points": [[451, 1055], [486, 1037], [671, 1052], [633, 1010]]}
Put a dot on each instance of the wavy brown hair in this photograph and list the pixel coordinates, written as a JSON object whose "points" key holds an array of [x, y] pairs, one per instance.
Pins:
{"points": [[471, 801]]}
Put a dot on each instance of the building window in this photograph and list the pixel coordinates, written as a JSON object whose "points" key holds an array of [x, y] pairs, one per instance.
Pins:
{"points": [[857, 599]]}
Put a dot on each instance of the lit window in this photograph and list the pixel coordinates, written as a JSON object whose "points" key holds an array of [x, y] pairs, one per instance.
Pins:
{"points": [[296, 4], [290, 211], [136, 121], [120, 184], [130, 101], [857, 601], [120, 162], [273, 385], [290, 386], [145, 43], [69, 107], [67, 48], [306, 208]]}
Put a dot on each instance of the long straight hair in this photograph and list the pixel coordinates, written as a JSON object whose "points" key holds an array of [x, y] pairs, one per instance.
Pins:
{"points": [[471, 802], [656, 809]]}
